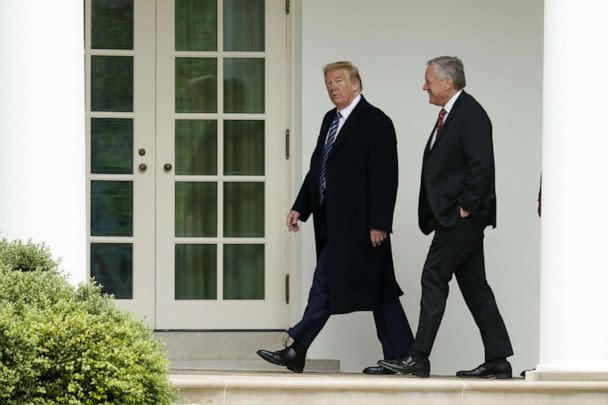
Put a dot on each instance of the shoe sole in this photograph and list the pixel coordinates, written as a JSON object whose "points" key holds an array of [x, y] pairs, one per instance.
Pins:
{"points": [[390, 373], [295, 370], [269, 359], [272, 361], [421, 374], [496, 376]]}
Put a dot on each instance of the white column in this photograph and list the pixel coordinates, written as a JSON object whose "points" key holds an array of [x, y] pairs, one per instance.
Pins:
{"points": [[574, 247], [42, 141]]}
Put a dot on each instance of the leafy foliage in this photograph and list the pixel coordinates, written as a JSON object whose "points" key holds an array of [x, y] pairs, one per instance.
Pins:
{"points": [[27, 256], [61, 345]]}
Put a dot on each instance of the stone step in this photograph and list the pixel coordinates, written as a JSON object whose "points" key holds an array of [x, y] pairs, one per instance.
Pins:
{"points": [[228, 350], [268, 388], [257, 364]]}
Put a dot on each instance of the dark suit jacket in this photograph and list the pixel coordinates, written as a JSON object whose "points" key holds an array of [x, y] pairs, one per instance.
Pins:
{"points": [[459, 170], [361, 179]]}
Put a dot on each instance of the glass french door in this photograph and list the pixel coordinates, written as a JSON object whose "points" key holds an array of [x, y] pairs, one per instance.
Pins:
{"points": [[187, 108], [120, 108]]}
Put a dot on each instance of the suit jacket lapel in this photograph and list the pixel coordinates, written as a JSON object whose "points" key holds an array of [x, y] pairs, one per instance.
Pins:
{"points": [[427, 148], [453, 112], [444, 128]]}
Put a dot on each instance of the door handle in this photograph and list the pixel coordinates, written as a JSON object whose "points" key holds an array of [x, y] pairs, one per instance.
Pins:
{"points": [[167, 167]]}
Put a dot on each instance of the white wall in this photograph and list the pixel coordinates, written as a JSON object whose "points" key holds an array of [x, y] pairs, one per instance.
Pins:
{"points": [[573, 259], [42, 183], [390, 41]]}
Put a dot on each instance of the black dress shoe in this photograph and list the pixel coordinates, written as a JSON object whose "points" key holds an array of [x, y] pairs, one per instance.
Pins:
{"points": [[500, 369], [289, 357], [407, 365], [377, 370]]}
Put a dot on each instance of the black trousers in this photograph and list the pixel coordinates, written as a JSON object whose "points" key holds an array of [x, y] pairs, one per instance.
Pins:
{"points": [[459, 250], [392, 327]]}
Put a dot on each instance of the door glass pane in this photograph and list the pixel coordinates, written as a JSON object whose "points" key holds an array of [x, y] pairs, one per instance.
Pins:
{"points": [[244, 209], [112, 24], [244, 25], [195, 147], [112, 145], [195, 85], [196, 25], [111, 208], [111, 83], [244, 85], [195, 272], [195, 208], [244, 147], [243, 272], [112, 267]]}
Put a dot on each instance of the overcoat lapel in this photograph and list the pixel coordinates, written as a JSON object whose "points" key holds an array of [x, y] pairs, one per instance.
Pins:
{"points": [[349, 125], [325, 128]]}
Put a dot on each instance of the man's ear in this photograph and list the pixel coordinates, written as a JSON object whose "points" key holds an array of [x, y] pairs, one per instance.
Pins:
{"points": [[449, 82]]}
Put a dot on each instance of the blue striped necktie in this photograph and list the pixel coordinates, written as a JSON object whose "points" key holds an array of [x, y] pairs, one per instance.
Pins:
{"points": [[331, 138]]}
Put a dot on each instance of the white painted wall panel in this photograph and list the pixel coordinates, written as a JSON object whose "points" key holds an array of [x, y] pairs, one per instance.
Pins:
{"points": [[390, 41], [42, 152]]}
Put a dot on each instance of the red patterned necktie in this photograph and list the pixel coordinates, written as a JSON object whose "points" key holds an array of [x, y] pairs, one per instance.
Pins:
{"points": [[442, 114]]}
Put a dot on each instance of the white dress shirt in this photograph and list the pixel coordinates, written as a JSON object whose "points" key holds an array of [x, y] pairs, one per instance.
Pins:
{"points": [[447, 107], [345, 112]]}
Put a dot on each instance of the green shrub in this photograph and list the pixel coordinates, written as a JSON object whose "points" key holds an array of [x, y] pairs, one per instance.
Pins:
{"points": [[28, 256], [60, 345]]}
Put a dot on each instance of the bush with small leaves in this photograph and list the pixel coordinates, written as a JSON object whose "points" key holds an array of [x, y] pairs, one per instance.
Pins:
{"points": [[27, 256], [60, 345]]}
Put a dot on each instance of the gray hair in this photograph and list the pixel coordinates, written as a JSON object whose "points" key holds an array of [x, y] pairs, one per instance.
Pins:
{"points": [[449, 66]]}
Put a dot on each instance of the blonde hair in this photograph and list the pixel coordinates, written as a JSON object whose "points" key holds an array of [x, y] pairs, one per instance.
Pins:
{"points": [[352, 70]]}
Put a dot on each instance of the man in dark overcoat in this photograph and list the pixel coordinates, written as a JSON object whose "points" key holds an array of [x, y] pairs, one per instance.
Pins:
{"points": [[350, 189], [457, 201]]}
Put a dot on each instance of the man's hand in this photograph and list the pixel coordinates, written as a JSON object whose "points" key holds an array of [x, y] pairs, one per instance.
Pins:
{"points": [[464, 213], [292, 221], [377, 236]]}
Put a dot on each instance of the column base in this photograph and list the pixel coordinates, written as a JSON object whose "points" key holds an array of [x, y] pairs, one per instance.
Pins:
{"points": [[564, 375]]}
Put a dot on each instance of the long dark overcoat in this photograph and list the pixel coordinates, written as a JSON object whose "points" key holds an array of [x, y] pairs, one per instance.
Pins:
{"points": [[361, 179]]}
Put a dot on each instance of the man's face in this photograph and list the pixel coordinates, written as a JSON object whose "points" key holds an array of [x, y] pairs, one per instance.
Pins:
{"points": [[440, 90], [340, 88]]}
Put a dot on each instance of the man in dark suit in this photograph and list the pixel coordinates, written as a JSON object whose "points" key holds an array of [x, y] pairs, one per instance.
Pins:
{"points": [[457, 200], [350, 190]]}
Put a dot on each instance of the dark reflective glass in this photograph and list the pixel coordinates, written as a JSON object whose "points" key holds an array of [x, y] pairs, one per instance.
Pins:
{"points": [[195, 85], [112, 24], [112, 145], [195, 209], [195, 147], [244, 85], [244, 147], [111, 83], [196, 25], [111, 208], [244, 209], [243, 272], [195, 272], [244, 25], [112, 267]]}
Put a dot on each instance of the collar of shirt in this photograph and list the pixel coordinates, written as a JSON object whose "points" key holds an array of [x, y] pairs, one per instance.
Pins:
{"points": [[345, 112], [447, 107], [349, 108]]}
